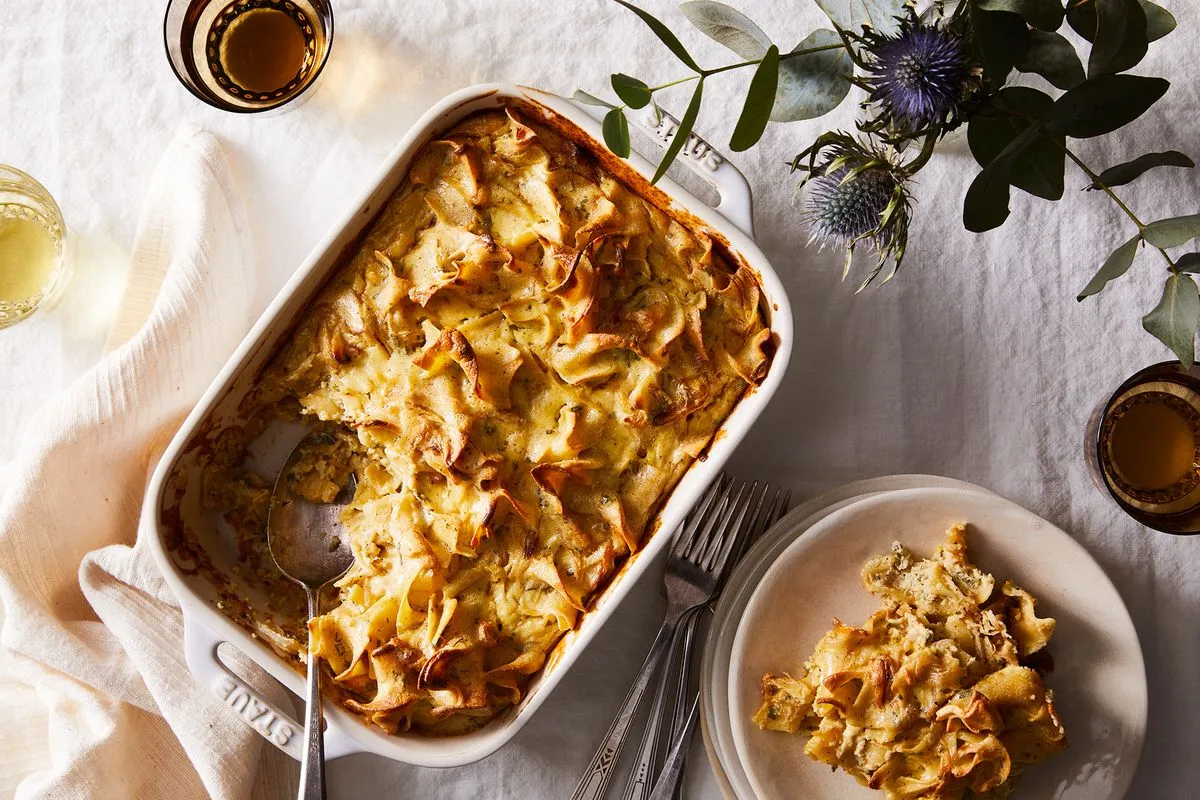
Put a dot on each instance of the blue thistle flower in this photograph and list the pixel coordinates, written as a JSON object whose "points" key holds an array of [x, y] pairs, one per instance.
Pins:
{"points": [[857, 196], [842, 211], [919, 76]]}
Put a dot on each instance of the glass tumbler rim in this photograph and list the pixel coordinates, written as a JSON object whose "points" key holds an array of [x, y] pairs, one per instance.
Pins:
{"points": [[32, 186], [326, 21]]}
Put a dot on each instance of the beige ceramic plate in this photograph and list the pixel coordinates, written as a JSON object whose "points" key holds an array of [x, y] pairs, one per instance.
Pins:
{"points": [[1099, 678]]}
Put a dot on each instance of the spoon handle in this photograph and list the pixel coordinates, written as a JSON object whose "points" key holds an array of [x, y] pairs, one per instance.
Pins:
{"points": [[312, 769]]}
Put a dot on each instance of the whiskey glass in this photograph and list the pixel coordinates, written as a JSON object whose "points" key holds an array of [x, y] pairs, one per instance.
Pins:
{"points": [[1173, 508], [192, 34]]}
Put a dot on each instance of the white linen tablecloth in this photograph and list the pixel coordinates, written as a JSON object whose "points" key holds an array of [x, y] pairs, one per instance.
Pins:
{"points": [[975, 362]]}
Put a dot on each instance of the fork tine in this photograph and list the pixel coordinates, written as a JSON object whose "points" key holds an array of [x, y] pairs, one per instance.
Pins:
{"points": [[759, 520], [704, 533], [786, 504], [696, 518], [775, 510], [716, 538], [762, 513], [766, 513], [732, 533]]}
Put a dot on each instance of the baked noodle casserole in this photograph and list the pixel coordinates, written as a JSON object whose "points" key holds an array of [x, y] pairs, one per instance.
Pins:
{"points": [[936, 695], [518, 362]]}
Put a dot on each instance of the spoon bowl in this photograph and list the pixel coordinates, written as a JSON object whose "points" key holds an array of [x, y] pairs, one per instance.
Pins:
{"points": [[306, 537]]}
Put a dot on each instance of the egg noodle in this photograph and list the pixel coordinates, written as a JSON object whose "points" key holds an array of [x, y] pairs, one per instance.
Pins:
{"points": [[518, 363], [934, 697]]}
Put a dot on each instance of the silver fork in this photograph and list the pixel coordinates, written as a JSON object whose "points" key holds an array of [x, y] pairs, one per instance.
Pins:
{"points": [[694, 567], [683, 725], [762, 506]]}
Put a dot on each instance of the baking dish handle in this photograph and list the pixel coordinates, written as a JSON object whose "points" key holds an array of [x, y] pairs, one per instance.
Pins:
{"points": [[274, 725], [736, 203]]}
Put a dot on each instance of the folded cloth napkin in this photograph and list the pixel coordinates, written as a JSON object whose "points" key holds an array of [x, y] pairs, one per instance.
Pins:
{"points": [[92, 674]]}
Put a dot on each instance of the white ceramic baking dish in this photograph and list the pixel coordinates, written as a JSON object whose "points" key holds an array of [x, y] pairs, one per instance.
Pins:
{"points": [[206, 627]]}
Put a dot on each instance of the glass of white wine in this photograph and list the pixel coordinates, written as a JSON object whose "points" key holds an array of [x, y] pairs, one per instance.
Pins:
{"points": [[32, 268]]}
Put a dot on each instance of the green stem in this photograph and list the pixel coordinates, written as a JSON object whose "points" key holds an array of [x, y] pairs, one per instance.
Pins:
{"points": [[705, 73], [783, 57], [1120, 203], [923, 157], [654, 89]]}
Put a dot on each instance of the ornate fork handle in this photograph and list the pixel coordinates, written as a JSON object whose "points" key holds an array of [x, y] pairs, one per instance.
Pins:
{"points": [[599, 771], [641, 779], [672, 772]]}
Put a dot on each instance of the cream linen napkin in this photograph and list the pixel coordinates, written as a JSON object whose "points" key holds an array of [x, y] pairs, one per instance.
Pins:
{"points": [[98, 699]]}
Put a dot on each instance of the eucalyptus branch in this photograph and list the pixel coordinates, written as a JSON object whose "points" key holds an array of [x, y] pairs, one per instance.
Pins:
{"points": [[926, 74], [704, 73], [659, 88], [782, 57], [1113, 195]]}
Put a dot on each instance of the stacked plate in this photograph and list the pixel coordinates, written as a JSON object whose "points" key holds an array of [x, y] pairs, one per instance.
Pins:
{"points": [[805, 571]]}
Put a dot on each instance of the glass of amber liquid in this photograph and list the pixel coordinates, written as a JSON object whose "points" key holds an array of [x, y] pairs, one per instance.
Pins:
{"points": [[248, 56], [1143, 447], [32, 267]]}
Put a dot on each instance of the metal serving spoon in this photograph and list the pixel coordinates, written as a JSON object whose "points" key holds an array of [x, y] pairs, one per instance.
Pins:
{"points": [[310, 547]]}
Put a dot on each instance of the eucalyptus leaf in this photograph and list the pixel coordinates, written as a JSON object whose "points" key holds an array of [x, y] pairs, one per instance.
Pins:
{"points": [[1105, 103], [1159, 21], [1040, 166], [760, 98], [1130, 171], [850, 15], [633, 92], [809, 86], [616, 132], [1044, 14], [581, 96], [1188, 262], [812, 85], [685, 129], [664, 35], [728, 26], [1175, 319], [1054, 58], [1172, 232], [999, 39], [1116, 265], [1081, 16], [1120, 41], [986, 204]]}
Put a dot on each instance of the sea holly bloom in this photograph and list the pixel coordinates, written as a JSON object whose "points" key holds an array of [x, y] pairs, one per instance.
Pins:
{"points": [[857, 196], [844, 208], [918, 78]]}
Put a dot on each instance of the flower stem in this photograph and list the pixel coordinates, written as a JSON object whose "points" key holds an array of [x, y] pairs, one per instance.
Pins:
{"points": [[654, 89], [783, 57], [1120, 203], [706, 72], [923, 157]]}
